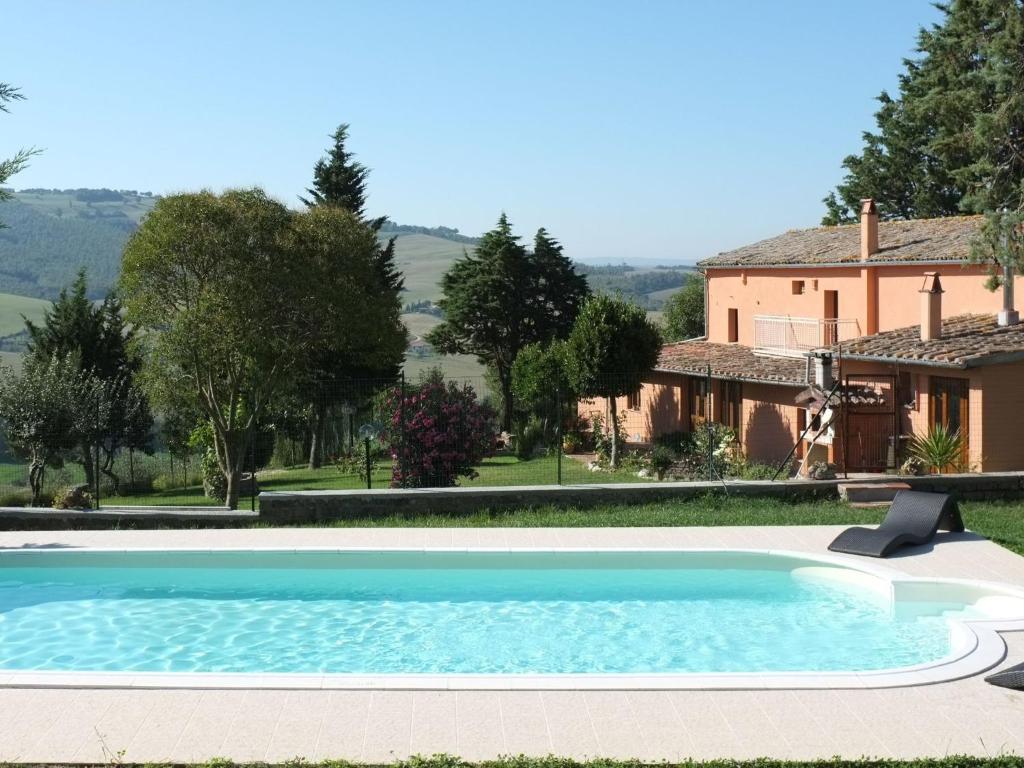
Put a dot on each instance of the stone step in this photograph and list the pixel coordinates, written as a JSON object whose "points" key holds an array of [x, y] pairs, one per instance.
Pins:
{"points": [[868, 492]]}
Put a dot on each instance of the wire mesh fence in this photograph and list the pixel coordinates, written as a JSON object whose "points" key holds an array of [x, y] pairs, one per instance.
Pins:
{"points": [[392, 433]]}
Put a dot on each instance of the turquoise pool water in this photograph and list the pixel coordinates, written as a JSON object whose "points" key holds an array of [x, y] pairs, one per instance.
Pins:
{"points": [[448, 613]]}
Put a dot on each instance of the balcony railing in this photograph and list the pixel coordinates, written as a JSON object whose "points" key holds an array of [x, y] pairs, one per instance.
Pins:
{"points": [[795, 336]]}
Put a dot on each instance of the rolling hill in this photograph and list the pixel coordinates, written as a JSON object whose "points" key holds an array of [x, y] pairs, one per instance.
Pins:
{"points": [[51, 234]]}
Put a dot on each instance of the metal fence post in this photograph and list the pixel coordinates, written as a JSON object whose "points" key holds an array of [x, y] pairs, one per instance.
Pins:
{"points": [[252, 471], [707, 426], [401, 430], [558, 431], [96, 457]]}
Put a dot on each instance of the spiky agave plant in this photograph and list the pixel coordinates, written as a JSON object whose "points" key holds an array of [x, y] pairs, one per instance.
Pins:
{"points": [[939, 449]]}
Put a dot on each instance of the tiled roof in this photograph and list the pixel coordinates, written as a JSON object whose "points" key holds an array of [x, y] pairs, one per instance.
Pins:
{"points": [[946, 239], [967, 342], [731, 361]]}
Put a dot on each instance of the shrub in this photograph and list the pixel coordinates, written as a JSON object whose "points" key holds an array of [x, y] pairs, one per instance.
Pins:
{"points": [[16, 499], [529, 438], [675, 441], [215, 485], [445, 434], [661, 460], [939, 450], [74, 497]]}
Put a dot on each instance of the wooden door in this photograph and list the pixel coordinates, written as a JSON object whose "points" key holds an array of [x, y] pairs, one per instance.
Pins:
{"points": [[949, 407]]}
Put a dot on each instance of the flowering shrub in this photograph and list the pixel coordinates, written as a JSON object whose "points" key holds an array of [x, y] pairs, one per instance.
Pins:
{"points": [[446, 433]]}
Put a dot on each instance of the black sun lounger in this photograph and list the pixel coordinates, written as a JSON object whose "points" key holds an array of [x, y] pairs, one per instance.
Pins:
{"points": [[1011, 677], [913, 518]]}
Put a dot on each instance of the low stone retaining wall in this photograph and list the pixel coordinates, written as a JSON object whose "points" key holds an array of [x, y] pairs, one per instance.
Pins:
{"points": [[311, 506], [208, 516]]}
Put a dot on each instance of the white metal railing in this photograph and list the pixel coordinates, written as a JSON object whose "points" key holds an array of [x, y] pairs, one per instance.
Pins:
{"points": [[795, 336]]}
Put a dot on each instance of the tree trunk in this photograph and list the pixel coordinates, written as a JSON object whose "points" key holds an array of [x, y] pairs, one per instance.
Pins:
{"points": [[36, 472], [233, 480], [316, 442], [89, 465], [505, 379], [108, 469], [613, 402]]}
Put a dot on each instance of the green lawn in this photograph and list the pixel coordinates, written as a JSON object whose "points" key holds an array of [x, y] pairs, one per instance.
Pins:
{"points": [[1003, 522], [499, 470]]}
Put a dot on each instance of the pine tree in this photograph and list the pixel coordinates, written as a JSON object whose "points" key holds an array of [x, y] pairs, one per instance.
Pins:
{"points": [[97, 339], [340, 180], [502, 297], [951, 142]]}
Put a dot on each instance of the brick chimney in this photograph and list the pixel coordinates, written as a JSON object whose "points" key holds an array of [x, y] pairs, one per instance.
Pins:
{"points": [[868, 229], [931, 307]]}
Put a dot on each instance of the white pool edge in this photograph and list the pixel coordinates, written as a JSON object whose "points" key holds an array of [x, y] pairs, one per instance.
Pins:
{"points": [[977, 644]]}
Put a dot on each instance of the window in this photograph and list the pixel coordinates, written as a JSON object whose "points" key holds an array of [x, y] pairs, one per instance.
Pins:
{"points": [[732, 405], [798, 287], [908, 393], [698, 400], [633, 401], [734, 325]]}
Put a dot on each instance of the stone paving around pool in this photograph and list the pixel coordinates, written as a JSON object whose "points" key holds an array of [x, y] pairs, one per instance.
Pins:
{"points": [[138, 725]]}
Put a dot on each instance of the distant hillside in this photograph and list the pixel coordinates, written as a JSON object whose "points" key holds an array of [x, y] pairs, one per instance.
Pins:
{"points": [[51, 234]]}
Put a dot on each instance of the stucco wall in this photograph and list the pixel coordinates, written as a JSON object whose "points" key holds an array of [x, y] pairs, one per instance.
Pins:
{"points": [[769, 291], [914, 420], [663, 408], [1003, 417], [769, 422]]}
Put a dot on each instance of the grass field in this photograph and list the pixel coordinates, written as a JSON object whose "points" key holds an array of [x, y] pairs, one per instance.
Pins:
{"points": [[423, 259], [14, 309]]}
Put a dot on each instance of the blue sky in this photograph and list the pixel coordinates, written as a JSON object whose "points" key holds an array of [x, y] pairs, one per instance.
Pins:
{"points": [[663, 130]]}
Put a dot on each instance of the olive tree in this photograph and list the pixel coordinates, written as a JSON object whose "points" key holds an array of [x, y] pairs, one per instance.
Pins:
{"points": [[610, 348], [42, 413]]}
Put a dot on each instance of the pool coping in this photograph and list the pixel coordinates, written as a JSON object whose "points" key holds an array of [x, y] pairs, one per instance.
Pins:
{"points": [[977, 643]]}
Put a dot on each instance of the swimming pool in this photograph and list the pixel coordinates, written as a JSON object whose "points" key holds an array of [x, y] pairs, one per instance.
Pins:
{"points": [[478, 614]]}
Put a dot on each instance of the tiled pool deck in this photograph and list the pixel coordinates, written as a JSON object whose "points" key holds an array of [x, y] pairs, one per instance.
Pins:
{"points": [[91, 725]]}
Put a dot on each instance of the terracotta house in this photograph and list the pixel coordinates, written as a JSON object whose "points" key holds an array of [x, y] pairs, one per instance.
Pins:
{"points": [[890, 310]]}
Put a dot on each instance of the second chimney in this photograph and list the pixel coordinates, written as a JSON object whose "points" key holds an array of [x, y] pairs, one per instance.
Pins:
{"points": [[868, 229], [931, 307]]}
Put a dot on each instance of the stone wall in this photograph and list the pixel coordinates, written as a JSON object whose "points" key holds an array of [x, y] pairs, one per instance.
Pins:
{"points": [[311, 506]]}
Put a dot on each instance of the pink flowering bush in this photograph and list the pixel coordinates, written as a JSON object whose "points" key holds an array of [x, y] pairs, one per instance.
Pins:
{"points": [[447, 432]]}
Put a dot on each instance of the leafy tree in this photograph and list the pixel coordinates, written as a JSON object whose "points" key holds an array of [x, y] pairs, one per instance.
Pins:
{"points": [[538, 377], [41, 409], [501, 297], [236, 295], [339, 180], [11, 165], [211, 281], [683, 314], [611, 347], [96, 337], [364, 306]]}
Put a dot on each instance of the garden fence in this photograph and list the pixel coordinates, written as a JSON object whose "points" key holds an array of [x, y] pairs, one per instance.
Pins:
{"points": [[380, 433]]}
